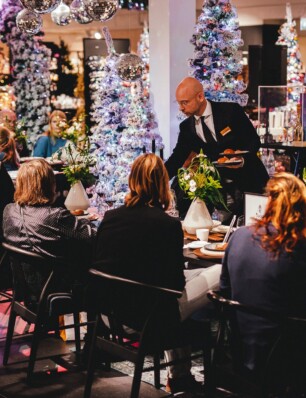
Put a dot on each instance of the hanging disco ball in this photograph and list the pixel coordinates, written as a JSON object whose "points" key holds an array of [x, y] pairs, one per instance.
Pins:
{"points": [[101, 10], [129, 67], [28, 22], [79, 13], [40, 6], [61, 15]]}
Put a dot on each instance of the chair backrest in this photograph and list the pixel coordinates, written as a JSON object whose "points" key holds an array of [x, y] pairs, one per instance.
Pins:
{"points": [[133, 303], [34, 276], [287, 340]]}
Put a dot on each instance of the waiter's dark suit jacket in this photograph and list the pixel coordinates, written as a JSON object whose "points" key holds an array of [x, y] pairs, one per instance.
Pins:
{"points": [[252, 177]]}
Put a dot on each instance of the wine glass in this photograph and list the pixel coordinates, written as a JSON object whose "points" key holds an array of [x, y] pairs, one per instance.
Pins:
{"points": [[172, 210]]}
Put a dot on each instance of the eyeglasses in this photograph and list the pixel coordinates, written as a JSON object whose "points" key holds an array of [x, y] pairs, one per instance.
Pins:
{"points": [[187, 102]]}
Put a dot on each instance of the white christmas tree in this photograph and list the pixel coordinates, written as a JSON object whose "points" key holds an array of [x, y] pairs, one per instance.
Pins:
{"points": [[30, 61], [288, 37], [125, 129], [217, 61]]}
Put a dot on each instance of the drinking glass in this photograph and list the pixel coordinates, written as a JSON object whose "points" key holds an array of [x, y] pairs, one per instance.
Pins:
{"points": [[240, 221], [172, 210]]}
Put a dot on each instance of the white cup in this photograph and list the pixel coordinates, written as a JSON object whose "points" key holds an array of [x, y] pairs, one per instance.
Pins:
{"points": [[202, 234]]}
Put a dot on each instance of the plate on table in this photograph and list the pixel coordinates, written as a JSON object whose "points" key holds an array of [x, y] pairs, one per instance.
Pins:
{"points": [[54, 162], [29, 158], [84, 213], [216, 247], [221, 229], [197, 244], [232, 155], [230, 162]]}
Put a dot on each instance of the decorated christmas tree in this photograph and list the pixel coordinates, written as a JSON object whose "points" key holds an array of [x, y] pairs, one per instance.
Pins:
{"points": [[125, 129], [217, 61], [30, 61], [288, 37]]}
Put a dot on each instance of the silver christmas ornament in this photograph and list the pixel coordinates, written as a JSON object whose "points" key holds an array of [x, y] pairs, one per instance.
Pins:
{"points": [[101, 10], [129, 67], [28, 22], [40, 6], [61, 15], [79, 13]]}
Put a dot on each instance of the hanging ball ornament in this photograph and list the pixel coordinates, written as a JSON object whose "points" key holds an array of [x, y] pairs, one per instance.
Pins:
{"points": [[79, 13], [129, 67], [28, 22], [101, 10], [61, 15], [40, 6]]}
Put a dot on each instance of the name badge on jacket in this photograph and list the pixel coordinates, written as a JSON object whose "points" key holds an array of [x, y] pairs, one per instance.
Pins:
{"points": [[225, 131]]}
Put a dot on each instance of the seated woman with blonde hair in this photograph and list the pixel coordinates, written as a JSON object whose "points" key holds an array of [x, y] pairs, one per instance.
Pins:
{"points": [[265, 266], [33, 223], [48, 143], [8, 153]]}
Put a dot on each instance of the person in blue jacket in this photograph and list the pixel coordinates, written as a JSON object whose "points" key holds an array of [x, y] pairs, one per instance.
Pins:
{"points": [[48, 143]]}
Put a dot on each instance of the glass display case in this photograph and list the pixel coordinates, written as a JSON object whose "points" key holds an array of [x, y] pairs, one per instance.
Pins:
{"points": [[281, 113]]}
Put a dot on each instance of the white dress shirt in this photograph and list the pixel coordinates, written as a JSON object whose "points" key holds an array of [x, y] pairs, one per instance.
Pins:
{"points": [[209, 121]]}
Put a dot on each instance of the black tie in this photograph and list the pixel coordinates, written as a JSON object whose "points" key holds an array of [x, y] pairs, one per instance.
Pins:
{"points": [[207, 133]]}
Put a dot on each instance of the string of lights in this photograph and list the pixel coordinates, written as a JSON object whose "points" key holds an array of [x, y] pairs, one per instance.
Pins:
{"points": [[134, 4]]}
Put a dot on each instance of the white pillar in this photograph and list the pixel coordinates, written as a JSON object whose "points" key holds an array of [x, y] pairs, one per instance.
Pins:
{"points": [[171, 24]]}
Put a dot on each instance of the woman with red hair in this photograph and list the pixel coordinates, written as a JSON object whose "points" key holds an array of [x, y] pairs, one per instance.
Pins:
{"points": [[265, 266]]}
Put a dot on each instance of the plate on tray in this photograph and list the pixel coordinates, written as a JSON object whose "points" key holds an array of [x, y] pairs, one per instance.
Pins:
{"points": [[229, 163], [232, 155], [216, 247]]}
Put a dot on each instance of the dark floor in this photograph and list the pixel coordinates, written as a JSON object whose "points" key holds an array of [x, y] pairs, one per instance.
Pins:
{"points": [[60, 377]]}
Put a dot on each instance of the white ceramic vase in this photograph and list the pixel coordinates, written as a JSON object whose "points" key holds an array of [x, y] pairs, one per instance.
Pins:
{"points": [[197, 217], [77, 197]]}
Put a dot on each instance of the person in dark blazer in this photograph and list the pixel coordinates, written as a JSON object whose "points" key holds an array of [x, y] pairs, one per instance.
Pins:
{"points": [[215, 127], [140, 241], [264, 266]]}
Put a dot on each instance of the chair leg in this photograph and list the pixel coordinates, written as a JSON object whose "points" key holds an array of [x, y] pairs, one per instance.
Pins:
{"points": [[34, 347], [91, 360], [156, 370], [9, 336], [77, 334], [137, 376], [207, 360]]}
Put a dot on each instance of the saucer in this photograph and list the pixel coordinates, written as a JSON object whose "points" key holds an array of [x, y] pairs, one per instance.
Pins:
{"points": [[197, 244]]}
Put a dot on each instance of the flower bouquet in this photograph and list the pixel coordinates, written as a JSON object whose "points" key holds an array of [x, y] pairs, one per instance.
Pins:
{"points": [[201, 180], [76, 153]]}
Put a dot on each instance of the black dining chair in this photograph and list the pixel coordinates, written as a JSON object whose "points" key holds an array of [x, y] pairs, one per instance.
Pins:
{"points": [[283, 366], [44, 310], [156, 326]]}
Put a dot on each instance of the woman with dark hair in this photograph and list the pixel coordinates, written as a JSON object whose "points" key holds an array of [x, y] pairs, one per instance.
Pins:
{"points": [[140, 241], [265, 266], [48, 143], [8, 152], [33, 224]]}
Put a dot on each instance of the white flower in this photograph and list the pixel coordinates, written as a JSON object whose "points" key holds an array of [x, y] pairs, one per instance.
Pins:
{"points": [[193, 189], [192, 184], [187, 176]]}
